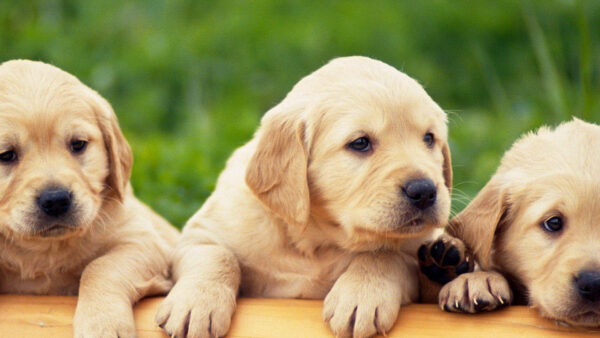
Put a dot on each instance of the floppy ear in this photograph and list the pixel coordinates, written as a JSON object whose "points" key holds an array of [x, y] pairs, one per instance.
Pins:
{"points": [[277, 172], [477, 224], [447, 166], [120, 158]]}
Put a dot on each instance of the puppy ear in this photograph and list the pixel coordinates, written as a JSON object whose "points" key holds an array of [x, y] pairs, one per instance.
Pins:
{"points": [[447, 166], [277, 172], [120, 158], [477, 224]]}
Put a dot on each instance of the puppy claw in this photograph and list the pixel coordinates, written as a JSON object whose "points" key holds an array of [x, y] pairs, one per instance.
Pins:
{"points": [[198, 310], [475, 292], [96, 317], [352, 309]]}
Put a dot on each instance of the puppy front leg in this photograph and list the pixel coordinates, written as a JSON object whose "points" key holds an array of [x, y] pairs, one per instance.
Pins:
{"points": [[203, 299], [111, 284], [366, 298]]}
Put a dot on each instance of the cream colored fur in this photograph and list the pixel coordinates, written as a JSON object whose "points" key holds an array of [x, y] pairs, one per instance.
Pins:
{"points": [[113, 250], [545, 174], [297, 214]]}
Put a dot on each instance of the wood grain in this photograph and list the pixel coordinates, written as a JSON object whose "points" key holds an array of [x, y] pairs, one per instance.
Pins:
{"points": [[36, 316]]}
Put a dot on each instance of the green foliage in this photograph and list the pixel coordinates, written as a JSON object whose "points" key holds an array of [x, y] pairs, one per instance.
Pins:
{"points": [[191, 79]]}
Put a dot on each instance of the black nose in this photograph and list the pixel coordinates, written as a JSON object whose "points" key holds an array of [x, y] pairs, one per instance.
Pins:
{"points": [[588, 285], [54, 202], [421, 193]]}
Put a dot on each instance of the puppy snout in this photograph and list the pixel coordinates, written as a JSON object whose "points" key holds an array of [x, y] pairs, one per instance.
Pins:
{"points": [[420, 192], [588, 285], [55, 202]]}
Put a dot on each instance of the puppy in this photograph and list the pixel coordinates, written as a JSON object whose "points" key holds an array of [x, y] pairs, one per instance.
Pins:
{"points": [[535, 229], [330, 199], [69, 222]]}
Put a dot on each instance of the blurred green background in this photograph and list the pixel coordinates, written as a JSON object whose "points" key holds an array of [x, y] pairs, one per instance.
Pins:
{"points": [[190, 80]]}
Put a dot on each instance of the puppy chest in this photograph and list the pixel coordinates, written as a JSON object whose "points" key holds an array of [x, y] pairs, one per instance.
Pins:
{"points": [[52, 272], [45, 284], [282, 277]]}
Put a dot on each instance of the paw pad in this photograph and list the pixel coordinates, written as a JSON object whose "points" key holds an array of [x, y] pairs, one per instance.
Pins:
{"points": [[444, 259]]}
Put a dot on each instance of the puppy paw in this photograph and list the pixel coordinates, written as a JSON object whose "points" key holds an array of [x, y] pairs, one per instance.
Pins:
{"points": [[444, 259], [197, 310], [361, 309], [475, 292], [103, 318]]}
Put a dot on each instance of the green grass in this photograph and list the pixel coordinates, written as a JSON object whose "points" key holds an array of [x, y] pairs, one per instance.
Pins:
{"points": [[191, 79]]}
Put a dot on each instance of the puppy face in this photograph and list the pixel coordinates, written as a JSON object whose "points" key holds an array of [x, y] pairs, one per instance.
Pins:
{"points": [[541, 220], [361, 146], [61, 154]]}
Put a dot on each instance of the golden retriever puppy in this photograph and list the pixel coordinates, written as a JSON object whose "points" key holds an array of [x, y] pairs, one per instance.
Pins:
{"points": [[69, 222], [330, 199], [535, 229]]}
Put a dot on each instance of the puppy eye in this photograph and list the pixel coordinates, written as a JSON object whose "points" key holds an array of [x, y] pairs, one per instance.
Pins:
{"points": [[429, 140], [8, 157], [553, 224], [78, 146], [361, 144]]}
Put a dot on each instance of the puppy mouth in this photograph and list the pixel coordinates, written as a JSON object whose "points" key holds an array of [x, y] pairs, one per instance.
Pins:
{"points": [[412, 227], [400, 225], [589, 319], [54, 230], [585, 318], [417, 222]]}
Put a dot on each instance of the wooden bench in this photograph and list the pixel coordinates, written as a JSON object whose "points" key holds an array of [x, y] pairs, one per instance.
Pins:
{"points": [[35, 316]]}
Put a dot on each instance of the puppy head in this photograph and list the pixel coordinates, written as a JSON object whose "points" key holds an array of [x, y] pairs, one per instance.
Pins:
{"points": [[62, 154], [357, 145], [540, 217]]}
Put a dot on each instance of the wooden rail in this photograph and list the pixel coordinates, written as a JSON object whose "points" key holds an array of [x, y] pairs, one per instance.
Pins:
{"points": [[35, 316]]}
